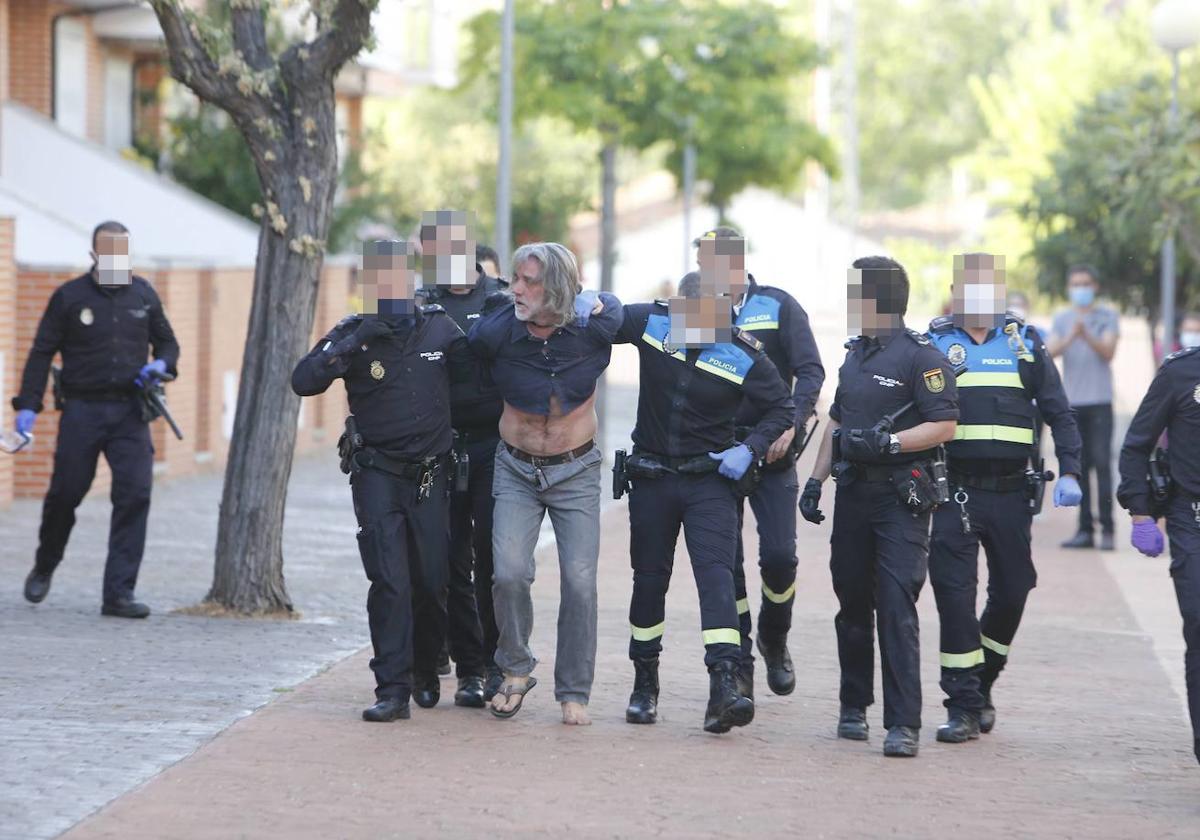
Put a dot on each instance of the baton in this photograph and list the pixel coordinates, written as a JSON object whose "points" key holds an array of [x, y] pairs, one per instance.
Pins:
{"points": [[888, 420], [154, 395]]}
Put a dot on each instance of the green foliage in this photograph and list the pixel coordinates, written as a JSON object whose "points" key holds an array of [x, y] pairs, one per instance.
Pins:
{"points": [[206, 153]]}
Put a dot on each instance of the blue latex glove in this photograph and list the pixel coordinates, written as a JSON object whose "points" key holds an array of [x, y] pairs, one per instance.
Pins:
{"points": [[25, 421], [584, 303], [150, 373], [1146, 537], [1067, 492], [734, 461]]}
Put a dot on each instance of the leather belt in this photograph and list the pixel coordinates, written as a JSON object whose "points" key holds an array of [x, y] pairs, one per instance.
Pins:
{"points": [[112, 395], [877, 472], [995, 483], [685, 464], [550, 460], [399, 467]]}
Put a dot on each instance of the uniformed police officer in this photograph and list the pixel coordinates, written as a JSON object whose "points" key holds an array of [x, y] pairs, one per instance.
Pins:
{"points": [[1172, 405], [781, 324], [997, 481], [102, 322], [397, 365], [695, 371], [895, 403], [471, 618]]}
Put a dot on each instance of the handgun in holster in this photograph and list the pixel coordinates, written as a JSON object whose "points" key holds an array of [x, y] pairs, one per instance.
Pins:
{"points": [[462, 464], [56, 387], [348, 444], [620, 484], [1160, 480], [1036, 478]]}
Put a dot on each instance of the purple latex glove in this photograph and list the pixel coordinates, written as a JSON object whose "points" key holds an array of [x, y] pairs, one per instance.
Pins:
{"points": [[1146, 538]]}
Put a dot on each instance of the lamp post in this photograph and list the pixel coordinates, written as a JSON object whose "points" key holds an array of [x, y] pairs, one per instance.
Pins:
{"points": [[1175, 26], [503, 235]]}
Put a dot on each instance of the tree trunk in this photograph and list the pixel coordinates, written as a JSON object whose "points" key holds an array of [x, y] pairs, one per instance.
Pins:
{"points": [[722, 213]]}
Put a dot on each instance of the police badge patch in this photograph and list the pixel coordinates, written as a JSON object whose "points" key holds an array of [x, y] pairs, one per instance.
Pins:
{"points": [[377, 371], [86, 317], [957, 354], [935, 381]]}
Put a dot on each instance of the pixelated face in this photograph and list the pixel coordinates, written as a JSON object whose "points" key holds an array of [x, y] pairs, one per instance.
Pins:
{"points": [[699, 321], [980, 296], [388, 284], [873, 303], [113, 265], [722, 266], [448, 248], [529, 295], [490, 268]]}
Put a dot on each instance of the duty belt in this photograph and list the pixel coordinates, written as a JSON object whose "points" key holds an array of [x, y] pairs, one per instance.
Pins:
{"points": [[876, 472], [106, 395], [995, 483], [399, 467], [682, 464], [550, 460]]}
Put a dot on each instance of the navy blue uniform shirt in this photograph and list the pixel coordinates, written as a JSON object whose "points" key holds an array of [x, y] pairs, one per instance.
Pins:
{"points": [[687, 398], [530, 370], [103, 335]]}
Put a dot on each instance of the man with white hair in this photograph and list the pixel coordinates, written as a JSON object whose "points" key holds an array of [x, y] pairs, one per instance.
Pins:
{"points": [[547, 346]]}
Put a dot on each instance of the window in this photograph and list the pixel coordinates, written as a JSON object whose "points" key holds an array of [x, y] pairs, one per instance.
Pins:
{"points": [[118, 103], [70, 75]]}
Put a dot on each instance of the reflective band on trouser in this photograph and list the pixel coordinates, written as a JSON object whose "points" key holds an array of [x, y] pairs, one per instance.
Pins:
{"points": [[647, 634], [743, 606], [1009, 434], [722, 636], [962, 660], [993, 645], [779, 597]]}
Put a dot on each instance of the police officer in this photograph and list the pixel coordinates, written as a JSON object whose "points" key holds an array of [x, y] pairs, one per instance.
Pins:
{"points": [[471, 617], [695, 372], [895, 403], [996, 480], [102, 322], [1172, 405], [777, 320], [397, 365]]}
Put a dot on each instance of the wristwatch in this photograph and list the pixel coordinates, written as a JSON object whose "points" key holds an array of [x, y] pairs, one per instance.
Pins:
{"points": [[893, 444]]}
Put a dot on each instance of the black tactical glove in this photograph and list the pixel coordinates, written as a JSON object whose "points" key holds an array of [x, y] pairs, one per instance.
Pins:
{"points": [[865, 444], [369, 330], [809, 500]]}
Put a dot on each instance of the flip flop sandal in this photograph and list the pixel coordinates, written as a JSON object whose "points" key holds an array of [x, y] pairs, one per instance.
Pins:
{"points": [[508, 692]]}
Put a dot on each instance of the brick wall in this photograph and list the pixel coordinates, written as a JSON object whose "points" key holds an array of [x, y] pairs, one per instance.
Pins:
{"points": [[28, 50], [147, 106], [8, 349], [4, 61]]}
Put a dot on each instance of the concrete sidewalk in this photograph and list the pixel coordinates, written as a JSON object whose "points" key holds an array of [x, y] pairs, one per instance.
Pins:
{"points": [[1091, 741]]}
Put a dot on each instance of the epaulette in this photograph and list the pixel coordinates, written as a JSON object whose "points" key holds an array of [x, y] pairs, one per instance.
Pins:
{"points": [[747, 339], [850, 342], [1179, 354], [942, 323], [920, 338], [432, 309], [349, 319]]}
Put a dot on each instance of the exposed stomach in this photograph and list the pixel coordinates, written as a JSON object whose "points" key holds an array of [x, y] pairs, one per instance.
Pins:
{"points": [[549, 434]]}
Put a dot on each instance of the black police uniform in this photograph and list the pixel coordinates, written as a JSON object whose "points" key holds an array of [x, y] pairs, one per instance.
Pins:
{"points": [[103, 334], [879, 548], [686, 403], [777, 320], [471, 617], [398, 389], [1173, 405], [994, 443]]}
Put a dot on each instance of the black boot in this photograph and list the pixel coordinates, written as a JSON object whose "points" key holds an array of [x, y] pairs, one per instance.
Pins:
{"points": [[387, 709], [902, 742], [124, 608], [1082, 539], [426, 690], [492, 680], [745, 678], [37, 584], [852, 723], [470, 693], [987, 717], [1107, 541], [643, 702], [781, 678], [726, 707], [960, 726], [443, 663]]}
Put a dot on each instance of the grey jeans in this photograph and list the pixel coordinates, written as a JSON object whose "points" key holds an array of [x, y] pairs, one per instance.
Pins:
{"points": [[523, 495]]}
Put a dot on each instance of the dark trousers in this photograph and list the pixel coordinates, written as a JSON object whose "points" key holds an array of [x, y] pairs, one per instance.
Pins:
{"points": [[774, 503], [403, 544], [471, 628], [1183, 529], [879, 553], [1096, 430], [706, 508], [86, 429], [975, 650]]}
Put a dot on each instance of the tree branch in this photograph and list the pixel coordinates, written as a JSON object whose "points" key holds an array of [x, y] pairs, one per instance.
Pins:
{"points": [[248, 22], [341, 34]]}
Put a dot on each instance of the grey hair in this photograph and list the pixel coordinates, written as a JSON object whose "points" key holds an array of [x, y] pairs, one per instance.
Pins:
{"points": [[559, 277]]}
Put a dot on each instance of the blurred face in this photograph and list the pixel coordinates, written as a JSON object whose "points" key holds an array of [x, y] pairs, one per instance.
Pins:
{"points": [[979, 292], [527, 290], [113, 266], [699, 321], [1081, 288], [722, 266], [448, 249], [490, 268], [868, 291], [1189, 332], [388, 284]]}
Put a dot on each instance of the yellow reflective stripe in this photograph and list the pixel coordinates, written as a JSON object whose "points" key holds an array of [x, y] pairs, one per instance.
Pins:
{"points": [[721, 372], [1009, 434], [779, 597], [658, 345], [962, 660], [993, 645], [743, 606], [760, 325], [647, 634], [989, 379], [723, 636]]}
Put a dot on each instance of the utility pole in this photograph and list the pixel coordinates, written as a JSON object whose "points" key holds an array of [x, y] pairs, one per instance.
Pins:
{"points": [[689, 195], [1167, 280], [504, 165], [850, 102]]}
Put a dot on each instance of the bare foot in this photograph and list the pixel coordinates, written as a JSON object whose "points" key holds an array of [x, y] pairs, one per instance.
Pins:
{"points": [[575, 714], [500, 703]]}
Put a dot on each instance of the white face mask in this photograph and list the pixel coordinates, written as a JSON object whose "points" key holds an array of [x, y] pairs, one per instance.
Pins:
{"points": [[1189, 339]]}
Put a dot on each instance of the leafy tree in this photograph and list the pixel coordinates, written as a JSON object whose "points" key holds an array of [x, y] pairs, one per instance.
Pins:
{"points": [[206, 153]]}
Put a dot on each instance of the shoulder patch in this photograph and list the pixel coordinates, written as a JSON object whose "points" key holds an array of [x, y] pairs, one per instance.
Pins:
{"points": [[747, 339], [942, 324], [1179, 354], [919, 338]]}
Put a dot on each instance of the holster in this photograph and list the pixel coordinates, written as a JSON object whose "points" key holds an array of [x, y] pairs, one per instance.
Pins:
{"points": [[620, 485], [915, 487], [56, 388], [348, 444], [1035, 490], [462, 464], [1161, 483]]}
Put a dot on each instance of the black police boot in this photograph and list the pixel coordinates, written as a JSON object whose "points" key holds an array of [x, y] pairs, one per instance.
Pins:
{"points": [[1107, 542], [852, 723], [426, 690], [37, 585], [745, 678], [386, 710], [987, 717], [643, 701], [492, 680], [961, 726], [443, 664], [902, 742], [781, 677], [470, 693], [124, 608], [726, 707], [1082, 539]]}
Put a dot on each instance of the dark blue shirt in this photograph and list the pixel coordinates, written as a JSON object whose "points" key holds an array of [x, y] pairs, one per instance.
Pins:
{"points": [[530, 371]]}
